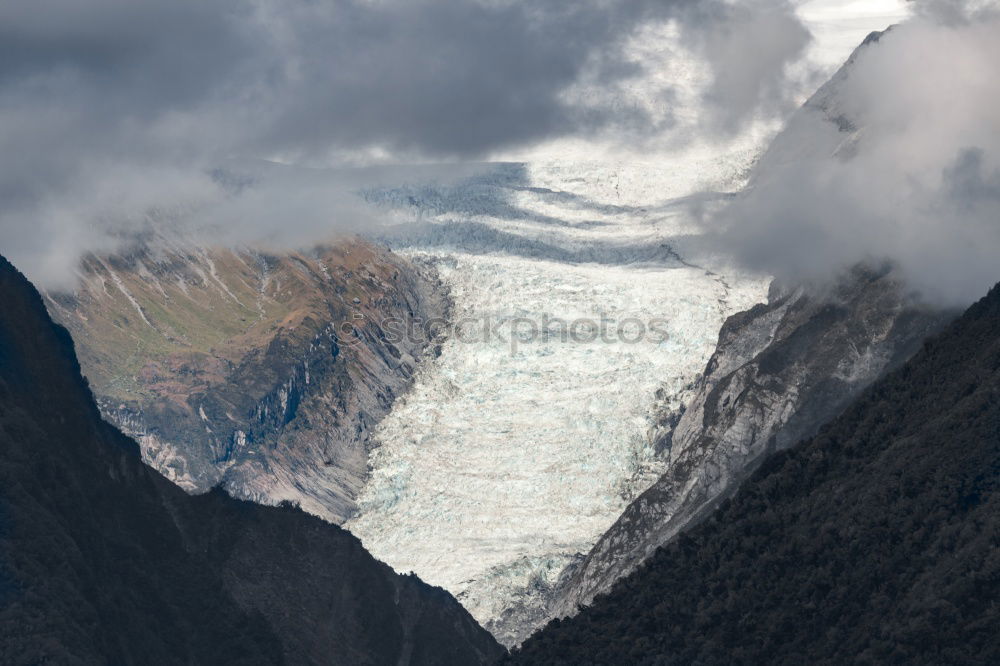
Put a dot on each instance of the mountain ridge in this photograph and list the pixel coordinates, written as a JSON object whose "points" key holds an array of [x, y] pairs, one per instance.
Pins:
{"points": [[104, 560], [876, 541], [261, 371], [781, 370]]}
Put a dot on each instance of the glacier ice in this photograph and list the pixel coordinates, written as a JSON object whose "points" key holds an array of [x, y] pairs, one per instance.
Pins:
{"points": [[510, 457]]}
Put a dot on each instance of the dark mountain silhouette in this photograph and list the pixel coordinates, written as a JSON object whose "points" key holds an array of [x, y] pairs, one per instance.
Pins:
{"points": [[103, 561], [876, 541]]}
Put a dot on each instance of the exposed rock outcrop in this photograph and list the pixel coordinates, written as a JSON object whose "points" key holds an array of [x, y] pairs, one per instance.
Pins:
{"points": [[260, 372], [781, 370]]}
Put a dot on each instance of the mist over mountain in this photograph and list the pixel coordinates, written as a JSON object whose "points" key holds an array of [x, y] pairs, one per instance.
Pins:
{"points": [[911, 174]]}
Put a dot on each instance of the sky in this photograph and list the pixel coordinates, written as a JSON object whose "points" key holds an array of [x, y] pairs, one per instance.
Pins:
{"points": [[115, 115]]}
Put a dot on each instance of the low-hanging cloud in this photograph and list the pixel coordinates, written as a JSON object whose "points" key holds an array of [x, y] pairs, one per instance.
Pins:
{"points": [[116, 112], [898, 158], [749, 50]]}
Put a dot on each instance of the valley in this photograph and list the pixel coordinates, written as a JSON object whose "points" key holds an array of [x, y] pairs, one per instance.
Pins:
{"points": [[575, 304], [479, 332]]}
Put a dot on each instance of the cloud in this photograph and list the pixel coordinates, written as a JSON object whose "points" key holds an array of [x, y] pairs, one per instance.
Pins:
{"points": [[749, 50], [952, 12], [114, 113], [442, 78], [897, 158]]}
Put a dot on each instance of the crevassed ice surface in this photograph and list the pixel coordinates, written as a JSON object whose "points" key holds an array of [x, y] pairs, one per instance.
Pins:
{"points": [[512, 454], [516, 450]]}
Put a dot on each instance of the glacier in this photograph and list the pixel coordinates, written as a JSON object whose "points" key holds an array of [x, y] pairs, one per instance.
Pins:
{"points": [[511, 455]]}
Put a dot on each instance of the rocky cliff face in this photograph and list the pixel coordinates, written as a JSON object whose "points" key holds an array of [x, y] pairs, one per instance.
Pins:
{"points": [[261, 372], [781, 370], [102, 560]]}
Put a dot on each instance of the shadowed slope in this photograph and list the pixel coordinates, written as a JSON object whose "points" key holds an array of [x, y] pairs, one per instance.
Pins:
{"points": [[102, 560], [878, 541]]}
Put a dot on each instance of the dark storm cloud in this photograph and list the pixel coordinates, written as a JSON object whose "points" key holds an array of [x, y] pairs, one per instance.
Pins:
{"points": [[146, 55], [112, 109], [455, 78], [438, 77]]}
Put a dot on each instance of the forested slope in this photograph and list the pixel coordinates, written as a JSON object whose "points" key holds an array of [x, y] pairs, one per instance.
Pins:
{"points": [[877, 541]]}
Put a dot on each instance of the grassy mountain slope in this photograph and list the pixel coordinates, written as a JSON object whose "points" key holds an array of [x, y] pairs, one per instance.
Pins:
{"points": [[264, 372]]}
